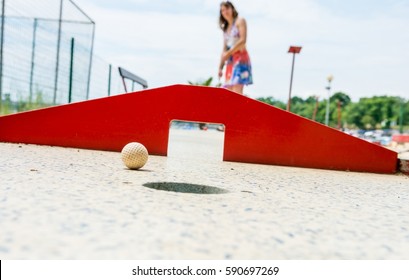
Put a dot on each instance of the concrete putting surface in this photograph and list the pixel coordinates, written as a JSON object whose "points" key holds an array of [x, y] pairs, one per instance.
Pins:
{"points": [[62, 203]]}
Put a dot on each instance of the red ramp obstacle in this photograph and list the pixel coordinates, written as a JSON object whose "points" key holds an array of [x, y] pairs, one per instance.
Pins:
{"points": [[255, 132]]}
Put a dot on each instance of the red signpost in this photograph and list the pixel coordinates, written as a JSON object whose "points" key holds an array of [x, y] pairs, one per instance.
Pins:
{"points": [[294, 50]]}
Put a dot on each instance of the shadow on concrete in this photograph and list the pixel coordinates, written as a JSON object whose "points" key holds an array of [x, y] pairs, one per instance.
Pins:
{"points": [[184, 188]]}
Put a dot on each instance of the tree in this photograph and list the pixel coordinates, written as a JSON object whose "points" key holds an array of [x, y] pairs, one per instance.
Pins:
{"points": [[344, 98], [374, 112], [206, 83], [270, 100], [368, 113]]}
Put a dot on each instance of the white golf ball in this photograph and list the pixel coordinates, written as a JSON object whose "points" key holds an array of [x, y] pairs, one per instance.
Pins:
{"points": [[134, 155]]}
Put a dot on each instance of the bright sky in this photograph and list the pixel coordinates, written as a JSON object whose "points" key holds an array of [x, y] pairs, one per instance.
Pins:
{"points": [[364, 44]]}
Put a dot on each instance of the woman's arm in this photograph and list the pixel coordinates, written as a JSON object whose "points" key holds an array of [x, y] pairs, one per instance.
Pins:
{"points": [[242, 26], [222, 60]]}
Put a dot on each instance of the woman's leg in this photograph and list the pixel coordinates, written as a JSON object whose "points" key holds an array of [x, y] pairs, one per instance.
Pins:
{"points": [[238, 88]]}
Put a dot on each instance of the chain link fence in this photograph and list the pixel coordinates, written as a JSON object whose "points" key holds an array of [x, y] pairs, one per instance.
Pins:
{"points": [[47, 56]]}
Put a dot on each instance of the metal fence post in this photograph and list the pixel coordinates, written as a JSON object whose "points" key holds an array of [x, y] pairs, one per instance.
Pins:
{"points": [[90, 60], [402, 103], [1, 50], [71, 70], [109, 79], [58, 53], [32, 58], [92, 45]]}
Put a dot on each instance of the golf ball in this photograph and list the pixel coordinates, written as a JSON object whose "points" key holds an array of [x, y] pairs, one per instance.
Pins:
{"points": [[134, 155]]}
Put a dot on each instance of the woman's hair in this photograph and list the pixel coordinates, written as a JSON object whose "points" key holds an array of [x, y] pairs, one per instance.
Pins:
{"points": [[222, 21]]}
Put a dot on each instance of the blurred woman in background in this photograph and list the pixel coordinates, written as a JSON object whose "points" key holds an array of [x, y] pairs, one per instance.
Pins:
{"points": [[234, 55]]}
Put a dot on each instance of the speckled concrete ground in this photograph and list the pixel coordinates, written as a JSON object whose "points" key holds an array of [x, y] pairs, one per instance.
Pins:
{"points": [[58, 203]]}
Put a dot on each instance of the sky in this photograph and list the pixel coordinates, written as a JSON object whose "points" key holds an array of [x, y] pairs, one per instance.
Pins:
{"points": [[364, 44]]}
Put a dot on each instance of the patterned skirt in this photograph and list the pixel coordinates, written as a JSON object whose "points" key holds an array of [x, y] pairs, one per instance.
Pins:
{"points": [[238, 69]]}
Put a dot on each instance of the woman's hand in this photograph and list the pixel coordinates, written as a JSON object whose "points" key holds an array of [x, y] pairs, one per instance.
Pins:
{"points": [[220, 73], [225, 56]]}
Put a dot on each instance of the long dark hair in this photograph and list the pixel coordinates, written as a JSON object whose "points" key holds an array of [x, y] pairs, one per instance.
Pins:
{"points": [[222, 21]]}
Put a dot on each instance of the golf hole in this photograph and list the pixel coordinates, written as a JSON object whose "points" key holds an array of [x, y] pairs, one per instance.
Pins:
{"points": [[193, 140], [184, 188]]}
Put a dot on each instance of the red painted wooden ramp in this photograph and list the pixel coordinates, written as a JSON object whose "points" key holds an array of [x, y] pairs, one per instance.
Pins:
{"points": [[255, 132]]}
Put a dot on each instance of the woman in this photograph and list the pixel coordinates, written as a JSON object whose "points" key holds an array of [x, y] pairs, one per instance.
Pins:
{"points": [[234, 55]]}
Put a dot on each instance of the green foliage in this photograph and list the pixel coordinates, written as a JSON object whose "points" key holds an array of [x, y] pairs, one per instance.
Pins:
{"points": [[344, 98], [368, 113], [4, 109], [9, 107], [374, 112], [270, 100], [206, 83], [5, 106]]}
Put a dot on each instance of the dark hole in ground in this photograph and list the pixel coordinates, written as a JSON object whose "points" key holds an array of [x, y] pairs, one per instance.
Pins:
{"points": [[184, 188]]}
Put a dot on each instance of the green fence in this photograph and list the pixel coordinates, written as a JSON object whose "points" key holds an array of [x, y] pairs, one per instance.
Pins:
{"points": [[47, 56]]}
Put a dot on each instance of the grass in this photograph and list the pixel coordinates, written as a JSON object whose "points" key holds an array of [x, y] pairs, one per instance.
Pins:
{"points": [[9, 107]]}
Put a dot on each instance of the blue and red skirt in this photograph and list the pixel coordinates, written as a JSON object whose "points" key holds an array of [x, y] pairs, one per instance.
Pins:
{"points": [[238, 69]]}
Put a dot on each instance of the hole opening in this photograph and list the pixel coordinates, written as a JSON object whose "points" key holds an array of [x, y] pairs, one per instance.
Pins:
{"points": [[194, 140], [184, 188]]}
